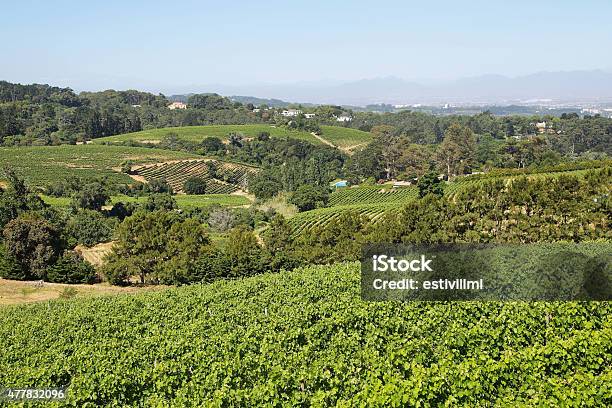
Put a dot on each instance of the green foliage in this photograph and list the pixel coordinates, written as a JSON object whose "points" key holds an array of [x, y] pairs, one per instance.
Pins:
{"points": [[157, 247], [33, 243], [91, 196], [306, 338], [90, 227], [159, 202], [195, 185], [9, 267], [71, 268], [308, 197], [430, 184]]}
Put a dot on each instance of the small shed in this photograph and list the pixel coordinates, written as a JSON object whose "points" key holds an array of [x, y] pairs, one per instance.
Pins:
{"points": [[341, 184]]}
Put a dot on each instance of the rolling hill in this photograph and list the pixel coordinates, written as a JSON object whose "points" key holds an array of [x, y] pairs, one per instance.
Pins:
{"points": [[346, 139], [198, 133]]}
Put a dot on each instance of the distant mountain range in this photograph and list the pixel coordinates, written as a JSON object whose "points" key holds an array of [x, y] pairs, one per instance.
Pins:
{"points": [[567, 86]]}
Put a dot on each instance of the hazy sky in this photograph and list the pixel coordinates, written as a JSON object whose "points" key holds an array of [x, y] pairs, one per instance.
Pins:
{"points": [[148, 44]]}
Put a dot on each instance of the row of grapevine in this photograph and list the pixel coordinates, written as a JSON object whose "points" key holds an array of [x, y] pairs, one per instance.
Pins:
{"points": [[306, 338], [222, 177], [371, 195]]}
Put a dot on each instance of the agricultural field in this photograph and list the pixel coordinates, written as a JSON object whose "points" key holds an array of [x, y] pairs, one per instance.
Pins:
{"points": [[372, 195], [184, 201], [373, 201], [319, 217], [42, 165], [346, 139], [306, 338], [198, 133], [224, 178]]}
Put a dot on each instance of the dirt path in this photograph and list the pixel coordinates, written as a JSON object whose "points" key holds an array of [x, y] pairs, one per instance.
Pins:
{"points": [[19, 292], [325, 141]]}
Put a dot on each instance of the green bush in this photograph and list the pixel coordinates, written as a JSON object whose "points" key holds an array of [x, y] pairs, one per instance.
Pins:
{"points": [[71, 268], [9, 268], [89, 227], [195, 185]]}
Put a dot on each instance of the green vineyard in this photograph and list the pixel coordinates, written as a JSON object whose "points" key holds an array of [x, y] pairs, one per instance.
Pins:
{"points": [[43, 165], [221, 177], [373, 202], [306, 338], [199, 133], [372, 195], [346, 138]]}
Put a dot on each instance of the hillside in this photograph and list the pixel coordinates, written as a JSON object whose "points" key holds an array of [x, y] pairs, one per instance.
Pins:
{"points": [[344, 138], [40, 165], [198, 133], [306, 338]]}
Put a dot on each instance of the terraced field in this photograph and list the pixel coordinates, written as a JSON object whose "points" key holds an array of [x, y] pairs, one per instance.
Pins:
{"points": [[42, 165], [198, 133], [346, 139], [227, 177]]}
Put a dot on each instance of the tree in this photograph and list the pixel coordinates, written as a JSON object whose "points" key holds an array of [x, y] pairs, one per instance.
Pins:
{"points": [[33, 242], [308, 197], [430, 184], [160, 202], [71, 268], [157, 186], [244, 253], [265, 187], [90, 228], [456, 153], [17, 198], [212, 145], [156, 247], [92, 196], [195, 185]]}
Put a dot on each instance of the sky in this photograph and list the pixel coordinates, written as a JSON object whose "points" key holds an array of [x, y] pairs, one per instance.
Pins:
{"points": [[160, 45]]}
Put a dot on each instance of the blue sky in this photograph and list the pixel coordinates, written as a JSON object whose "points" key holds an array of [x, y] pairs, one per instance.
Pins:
{"points": [[149, 45]]}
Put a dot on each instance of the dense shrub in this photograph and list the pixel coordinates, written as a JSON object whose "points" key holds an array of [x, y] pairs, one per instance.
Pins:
{"points": [[195, 185], [71, 268], [90, 227]]}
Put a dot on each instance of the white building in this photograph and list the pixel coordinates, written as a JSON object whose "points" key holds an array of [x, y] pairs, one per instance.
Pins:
{"points": [[309, 115], [290, 112], [177, 105], [343, 118]]}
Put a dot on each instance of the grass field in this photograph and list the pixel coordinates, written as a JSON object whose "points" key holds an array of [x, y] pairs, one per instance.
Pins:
{"points": [[198, 133], [182, 200], [306, 338], [42, 165]]}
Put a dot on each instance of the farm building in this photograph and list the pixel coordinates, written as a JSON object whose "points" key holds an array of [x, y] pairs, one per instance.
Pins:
{"points": [[340, 184], [177, 105], [309, 115], [343, 118], [290, 112]]}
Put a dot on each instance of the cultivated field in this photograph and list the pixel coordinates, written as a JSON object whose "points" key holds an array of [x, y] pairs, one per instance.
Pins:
{"points": [[346, 139], [184, 201], [198, 133], [42, 165], [305, 338], [226, 177]]}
